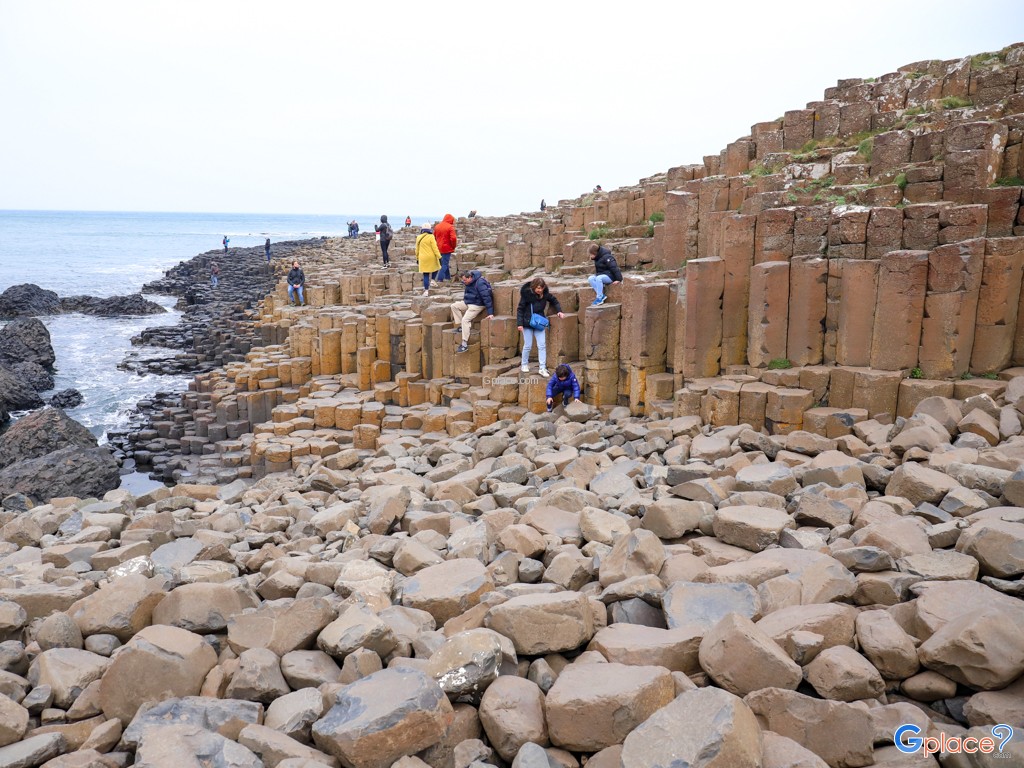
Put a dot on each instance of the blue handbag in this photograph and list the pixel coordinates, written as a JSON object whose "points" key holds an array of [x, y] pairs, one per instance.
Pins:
{"points": [[538, 322]]}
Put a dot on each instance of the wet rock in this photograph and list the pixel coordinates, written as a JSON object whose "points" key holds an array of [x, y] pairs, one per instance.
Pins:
{"points": [[27, 300], [26, 340], [67, 398], [111, 306], [70, 471]]}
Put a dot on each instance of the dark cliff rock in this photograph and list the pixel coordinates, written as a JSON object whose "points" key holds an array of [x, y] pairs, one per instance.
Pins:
{"points": [[26, 340], [70, 471], [113, 306], [27, 300], [41, 432]]}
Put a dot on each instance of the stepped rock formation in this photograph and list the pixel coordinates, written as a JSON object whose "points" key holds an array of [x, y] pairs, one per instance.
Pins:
{"points": [[785, 521]]}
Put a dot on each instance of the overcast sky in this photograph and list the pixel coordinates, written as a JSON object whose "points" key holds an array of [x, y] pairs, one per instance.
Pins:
{"points": [[359, 107]]}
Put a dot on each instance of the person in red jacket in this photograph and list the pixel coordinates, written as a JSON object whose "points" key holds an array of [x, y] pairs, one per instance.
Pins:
{"points": [[446, 238]]}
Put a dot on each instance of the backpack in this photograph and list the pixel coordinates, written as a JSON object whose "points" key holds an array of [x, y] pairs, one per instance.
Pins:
{"points": [[386, 232]]}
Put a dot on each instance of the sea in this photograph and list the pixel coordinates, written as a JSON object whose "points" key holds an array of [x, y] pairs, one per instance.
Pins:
{"points": [[115, 253]]}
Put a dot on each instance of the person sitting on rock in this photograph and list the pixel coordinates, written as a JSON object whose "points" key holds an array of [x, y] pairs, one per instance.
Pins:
{"points": [[606, 271], [476, 298], [296, 280], [534, 300], [428, 258], [563, 383]]}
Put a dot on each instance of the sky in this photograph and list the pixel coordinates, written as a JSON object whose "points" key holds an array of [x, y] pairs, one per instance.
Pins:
{"points": [[317, 107]]}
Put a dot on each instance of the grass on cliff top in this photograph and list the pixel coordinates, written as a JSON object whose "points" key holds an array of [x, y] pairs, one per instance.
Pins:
{"points": [[779, 364]]}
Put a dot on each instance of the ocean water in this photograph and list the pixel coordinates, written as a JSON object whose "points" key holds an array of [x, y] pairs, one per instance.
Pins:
{"points": [[106, 254]]}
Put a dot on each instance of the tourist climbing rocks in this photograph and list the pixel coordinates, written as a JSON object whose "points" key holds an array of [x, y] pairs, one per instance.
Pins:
{"points": [[564, 383], [296, 280], [428, 258], [606, 272], [386, 233], [266, 249], [447, 238], [476, 298], [214, 274], [225, 242], [531, 317]]}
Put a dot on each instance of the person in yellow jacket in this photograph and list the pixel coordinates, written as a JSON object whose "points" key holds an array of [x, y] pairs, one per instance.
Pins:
{"points": [[428, 256]]}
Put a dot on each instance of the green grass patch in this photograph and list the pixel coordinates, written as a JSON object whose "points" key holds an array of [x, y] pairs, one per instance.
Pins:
{"points": [[900, 181], [650, 231], [914, 111], [955, 102], [810, 146], [764, 170], [598, 234], [993, 375], [865, 148], [1009, 181], [916, 373], [779, 364], [966, 375], [656, 217]]}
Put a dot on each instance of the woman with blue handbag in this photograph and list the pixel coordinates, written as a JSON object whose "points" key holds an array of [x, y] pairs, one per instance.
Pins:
{"points": [[534, 299]]}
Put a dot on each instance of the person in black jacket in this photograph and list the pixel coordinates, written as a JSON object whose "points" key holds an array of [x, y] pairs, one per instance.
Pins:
{"points": [[606, 272], [296, 279], [386, 233], [534, 299], [476, 298]]}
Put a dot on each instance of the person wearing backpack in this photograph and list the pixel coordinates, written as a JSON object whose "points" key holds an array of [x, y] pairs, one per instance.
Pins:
{"points": [[534, 300], [446, 238], [386, 233]]}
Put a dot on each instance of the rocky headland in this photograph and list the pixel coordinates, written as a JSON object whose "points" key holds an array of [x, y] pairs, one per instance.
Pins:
{"points": [[786, 521]]}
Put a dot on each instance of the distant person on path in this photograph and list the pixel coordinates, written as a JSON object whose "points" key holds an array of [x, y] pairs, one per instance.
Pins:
{"points": [[225, 242], [296, 280], [447, 238], [543, 205], [353, 229], [214, 274], [428, 258], [266, 249], [476, 298], [386, 233], [606, 272], [598, 189], [408, 221], [472, 214], [563, 383], [531, 316]]}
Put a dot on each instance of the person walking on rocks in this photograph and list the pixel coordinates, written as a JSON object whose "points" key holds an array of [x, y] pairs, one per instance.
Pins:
{"points": [[266, 249], [386, 233], [446, 238], [225, 242], [428, 258], [534, 300], [476, 298], [214, 274], [408, 221], [296, 281], [543, 205], [564, 383], [606, 272]]}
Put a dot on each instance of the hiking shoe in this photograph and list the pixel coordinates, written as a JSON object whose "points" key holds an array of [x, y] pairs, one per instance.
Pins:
{"points": [[462, 348], [543, 372], [595, 303], [601, 299], [426, 292], [525, 368]]}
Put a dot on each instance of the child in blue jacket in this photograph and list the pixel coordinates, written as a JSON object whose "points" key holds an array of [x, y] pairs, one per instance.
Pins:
{"points": [[563, 383]]}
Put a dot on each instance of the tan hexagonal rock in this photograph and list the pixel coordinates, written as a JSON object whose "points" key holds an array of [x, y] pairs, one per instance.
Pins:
{"points": [[670, 518], [752, 528], [13, 721], [512, 714], [159, 663], [637, 645], [601, 526], [67, 671], [983, 648], [121, 607], [203, 607], [357, 627], [887, 645], [783, 752], [382, 717], [281, 625], [703, 728], [840, 734], [544, 623], [997, 545], [448, 589], [918, 483], [833, 622], [741, 658], [589, 709], [841, 674]]}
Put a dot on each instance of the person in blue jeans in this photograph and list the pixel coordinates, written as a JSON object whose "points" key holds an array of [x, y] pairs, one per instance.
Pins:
{"points": [[565, 384], [296, 279], [266, 249], [606, 272], [214, 274], [225, 242]]}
